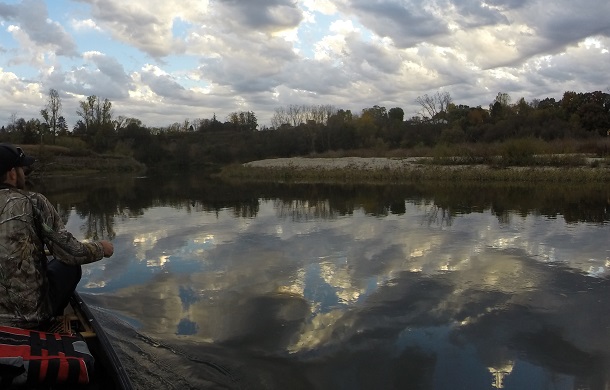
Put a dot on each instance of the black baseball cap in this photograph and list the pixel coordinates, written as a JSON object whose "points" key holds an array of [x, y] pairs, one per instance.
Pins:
{"points": [[12, 156]]}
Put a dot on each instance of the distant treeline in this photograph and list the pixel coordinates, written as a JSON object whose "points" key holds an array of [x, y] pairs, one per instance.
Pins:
{"points": [[303, 130]]}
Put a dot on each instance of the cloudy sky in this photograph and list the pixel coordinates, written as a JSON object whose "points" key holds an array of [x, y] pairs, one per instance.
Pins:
{"points": [[167, 61]]}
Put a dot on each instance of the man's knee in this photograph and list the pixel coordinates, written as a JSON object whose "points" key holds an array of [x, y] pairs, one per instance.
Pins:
{"points": [[63, 279], [64, 273]]}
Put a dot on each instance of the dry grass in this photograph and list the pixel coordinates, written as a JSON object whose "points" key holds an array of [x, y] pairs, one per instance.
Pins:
{"points": [[418, 172], [61, 160]]}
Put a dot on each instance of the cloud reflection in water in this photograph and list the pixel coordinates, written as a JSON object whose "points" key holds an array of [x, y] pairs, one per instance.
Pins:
{"points": [[358, 290]]}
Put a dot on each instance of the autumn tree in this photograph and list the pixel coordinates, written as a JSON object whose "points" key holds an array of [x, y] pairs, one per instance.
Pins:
{"points": [[378, 114], [51, 113]]}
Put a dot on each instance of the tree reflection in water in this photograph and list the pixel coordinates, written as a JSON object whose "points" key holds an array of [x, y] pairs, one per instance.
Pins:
{"points": [[101, 199]]}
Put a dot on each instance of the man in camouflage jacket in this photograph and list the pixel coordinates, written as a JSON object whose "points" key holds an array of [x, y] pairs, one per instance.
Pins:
{"points": [[32, 289]]}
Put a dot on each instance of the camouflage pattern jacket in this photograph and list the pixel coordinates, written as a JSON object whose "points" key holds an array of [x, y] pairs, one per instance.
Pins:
{"points": [[28, 222]]}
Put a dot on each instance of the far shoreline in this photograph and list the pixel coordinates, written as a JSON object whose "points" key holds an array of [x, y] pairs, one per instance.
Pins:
{"points": [[399, 170]]}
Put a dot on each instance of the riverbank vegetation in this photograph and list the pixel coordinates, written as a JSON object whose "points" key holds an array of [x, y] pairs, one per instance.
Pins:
{"points": [[61, 160], [500, 134]]}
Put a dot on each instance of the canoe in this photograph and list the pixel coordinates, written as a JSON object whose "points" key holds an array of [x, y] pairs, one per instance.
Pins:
{"points": [[59, 352], [109, 373]]}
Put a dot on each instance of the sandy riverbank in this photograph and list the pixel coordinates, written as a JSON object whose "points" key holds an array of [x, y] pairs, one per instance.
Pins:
{"points": [[369, 163], [395, 170]]}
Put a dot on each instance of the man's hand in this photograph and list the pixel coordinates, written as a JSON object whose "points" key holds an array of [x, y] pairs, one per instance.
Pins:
{"points": [[108, 248]]}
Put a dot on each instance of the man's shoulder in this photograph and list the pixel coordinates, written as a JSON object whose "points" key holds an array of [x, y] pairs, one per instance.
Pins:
{"points": [[40, 203], [25, 198], [11, 192], [35, 195]]}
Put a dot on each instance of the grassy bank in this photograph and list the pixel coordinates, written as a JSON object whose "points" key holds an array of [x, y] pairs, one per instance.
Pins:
{"points": [[58, 160]]}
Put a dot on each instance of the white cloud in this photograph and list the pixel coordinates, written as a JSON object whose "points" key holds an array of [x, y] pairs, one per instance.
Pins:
{"points": [[88, 24], [18, 96], [41, 33], [147, 25], [325, 7], [216, 57]]}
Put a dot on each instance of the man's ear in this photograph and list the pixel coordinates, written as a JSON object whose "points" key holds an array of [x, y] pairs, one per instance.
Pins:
{"points": [[11, 175]]}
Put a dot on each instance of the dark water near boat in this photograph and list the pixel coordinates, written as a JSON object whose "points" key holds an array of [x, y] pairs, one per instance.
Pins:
{"points": [[281, 286]]}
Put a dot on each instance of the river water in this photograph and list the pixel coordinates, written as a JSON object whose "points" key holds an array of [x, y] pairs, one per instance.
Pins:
{"points": [[276, 286]]}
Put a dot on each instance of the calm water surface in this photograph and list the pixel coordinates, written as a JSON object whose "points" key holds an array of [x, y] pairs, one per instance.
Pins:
{"points": [[214, 285]]}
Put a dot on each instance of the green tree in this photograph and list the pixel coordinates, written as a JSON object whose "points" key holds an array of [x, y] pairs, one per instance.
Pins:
{"points": [[570, 103], [243, 120], [31, 129], [340, 130], [500, 107], [378, 114], [457, 115], [87, 113], [54, 110], [396, 114], [522, 108], [503, 98], [122, 122], [96, 117], [594, 112], [62, 126], [394, 131]]}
